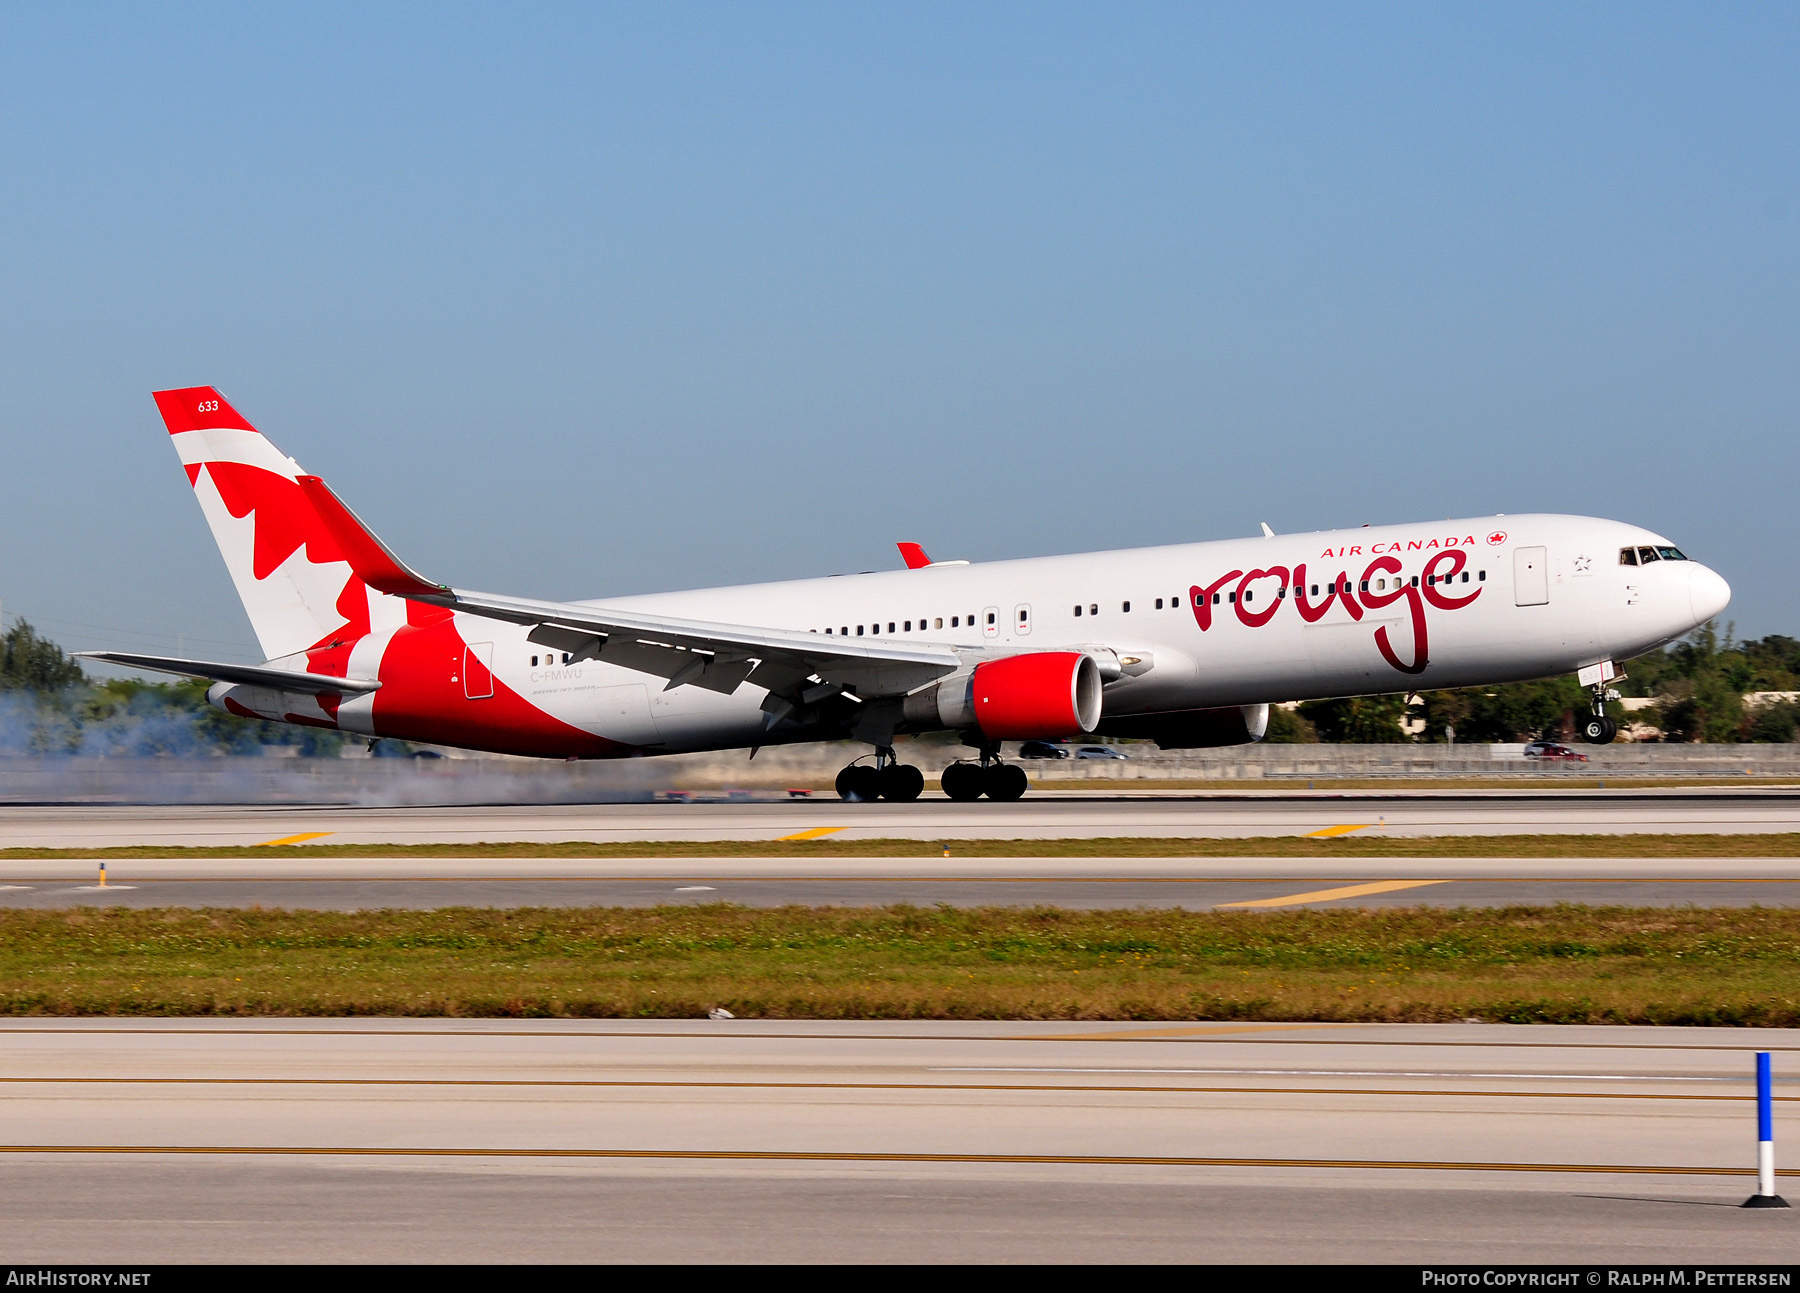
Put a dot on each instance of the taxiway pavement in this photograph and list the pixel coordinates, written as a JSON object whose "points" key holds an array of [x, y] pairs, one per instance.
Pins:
{"points": [[339, 883], [489, 1140]]}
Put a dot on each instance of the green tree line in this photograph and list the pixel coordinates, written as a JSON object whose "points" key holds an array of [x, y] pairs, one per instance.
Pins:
{"points": [[1697, 685], [49, 706]]}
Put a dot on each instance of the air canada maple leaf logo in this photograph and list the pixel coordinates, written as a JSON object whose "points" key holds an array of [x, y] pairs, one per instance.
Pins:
{"points": [[1496, 538]]}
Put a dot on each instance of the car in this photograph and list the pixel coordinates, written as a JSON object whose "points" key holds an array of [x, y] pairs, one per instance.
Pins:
{"points": [[1099, 752], [1551, 750], [1043, 750]]}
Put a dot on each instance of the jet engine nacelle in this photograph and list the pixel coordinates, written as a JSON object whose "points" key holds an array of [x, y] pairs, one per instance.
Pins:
{"points": [[1040, 696]]}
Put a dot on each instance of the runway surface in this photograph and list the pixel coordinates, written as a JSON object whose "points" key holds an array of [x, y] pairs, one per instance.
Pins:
{"points": [[441, 1140], [1041, 815], [331, 882]]}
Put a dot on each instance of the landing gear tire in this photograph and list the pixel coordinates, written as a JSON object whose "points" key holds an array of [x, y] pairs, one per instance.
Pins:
{"points": [[964, 782], [901, 783], [1005, 782], [1599, 729], [859, 784]]}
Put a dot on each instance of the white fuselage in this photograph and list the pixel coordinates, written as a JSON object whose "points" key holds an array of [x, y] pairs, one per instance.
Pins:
{"points": [[1527, 596]]}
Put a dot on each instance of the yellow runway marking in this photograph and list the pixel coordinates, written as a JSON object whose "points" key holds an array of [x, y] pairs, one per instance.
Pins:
{"points": [[1326, 895], [816, 833], [1331, 832], [294, 839], [878, 1156]]}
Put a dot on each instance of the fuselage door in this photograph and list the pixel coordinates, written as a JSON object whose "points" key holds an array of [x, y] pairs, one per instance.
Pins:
{"points": [[990, 622], [1531, 577], [478, 670], [1021, 620]]}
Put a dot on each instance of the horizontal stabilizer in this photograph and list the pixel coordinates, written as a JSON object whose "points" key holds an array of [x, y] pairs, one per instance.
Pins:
{"points": [[309, 684]]}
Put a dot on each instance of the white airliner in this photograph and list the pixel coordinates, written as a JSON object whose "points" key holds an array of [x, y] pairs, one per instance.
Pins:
{"points": [[1186, 645]]}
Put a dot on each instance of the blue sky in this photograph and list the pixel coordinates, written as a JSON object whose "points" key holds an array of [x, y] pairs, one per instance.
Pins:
{"points": [[582, 300]]}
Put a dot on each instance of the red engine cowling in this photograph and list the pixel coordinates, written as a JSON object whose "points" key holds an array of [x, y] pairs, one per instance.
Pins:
{"points": [[1033, 697]]}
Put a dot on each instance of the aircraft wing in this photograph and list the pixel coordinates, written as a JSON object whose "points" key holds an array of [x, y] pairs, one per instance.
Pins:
{"points": [[796, 668], [310, 684]]}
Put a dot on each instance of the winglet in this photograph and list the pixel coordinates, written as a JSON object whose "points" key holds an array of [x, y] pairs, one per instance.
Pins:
{"points": [[914, 556], [368, 556]]}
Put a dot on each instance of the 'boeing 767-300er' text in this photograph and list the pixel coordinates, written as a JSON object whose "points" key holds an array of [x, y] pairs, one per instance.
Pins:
{"points": [[1186, 645]]}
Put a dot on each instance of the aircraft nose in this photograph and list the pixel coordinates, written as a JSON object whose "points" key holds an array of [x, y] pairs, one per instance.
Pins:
{"points": [[1708, 593]]}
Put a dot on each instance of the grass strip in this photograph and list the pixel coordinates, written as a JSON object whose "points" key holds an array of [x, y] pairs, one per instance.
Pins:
{"points": [[1562, 964], [1375, 844]]}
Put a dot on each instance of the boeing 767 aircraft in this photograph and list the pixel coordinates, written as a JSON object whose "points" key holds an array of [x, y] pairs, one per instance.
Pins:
{"points": [[1186, 645]]}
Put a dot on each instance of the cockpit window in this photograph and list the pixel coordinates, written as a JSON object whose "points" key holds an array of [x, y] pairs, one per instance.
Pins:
{"points": [[1628, 556], [1670, 554], [1647, 555]]}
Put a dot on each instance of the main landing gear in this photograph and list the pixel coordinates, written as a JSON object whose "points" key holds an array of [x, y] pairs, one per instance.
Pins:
{"points": [[1001, 782], [886, 778]]}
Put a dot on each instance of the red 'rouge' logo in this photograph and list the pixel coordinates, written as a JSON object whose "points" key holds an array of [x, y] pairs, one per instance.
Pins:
{"points": [[1427, 587], [1496, 538]]}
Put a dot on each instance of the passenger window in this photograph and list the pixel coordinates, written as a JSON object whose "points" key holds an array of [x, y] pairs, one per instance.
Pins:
{"points": [[1125, 607], [909, 626], [1094, 609], [843, 630], [859, 630], [991, 617], [565, 657], [1078, 612], [1628, 556], [890, 626], [953, 621], [1159, 603], [1646, 556], [1216, 598], [1315, 590], [1465, 576], [1481, 577], [938, 623], [534, 662]]}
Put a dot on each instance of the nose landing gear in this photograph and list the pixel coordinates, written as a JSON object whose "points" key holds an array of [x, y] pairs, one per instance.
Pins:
{"points": [[887, 778], [1598, 728]]}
